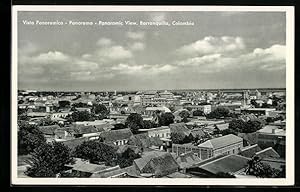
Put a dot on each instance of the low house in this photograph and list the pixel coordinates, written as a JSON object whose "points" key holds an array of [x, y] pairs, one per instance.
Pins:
{"points": [[160, 132], [179, 128], [49, 131], [127, 172], [187, 160], [144, 142], [151, 110], [228, 144], [156, 164], [222, 127], [258, 111], [87, 131], [116, 137], [73, 143], [82, 168], [272, 136], [225, 145], [231, 164]]}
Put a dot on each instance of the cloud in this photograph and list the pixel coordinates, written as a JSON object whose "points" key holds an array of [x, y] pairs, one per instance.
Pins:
{"points": [[212, 45], [269, 59], [104, 42], [82, 76], [137, 46], [138, 35], [143, 70], [116, 52]]}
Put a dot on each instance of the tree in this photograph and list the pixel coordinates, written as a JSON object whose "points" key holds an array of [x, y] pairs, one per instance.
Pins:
{"points": [[119, 126], [218, 113], [101, 110], [46, 121], [177, 138], [80, 116], [126, 158], [184, 115], [254, 103], [29, 138], [165, 119], [149, 124], [198, 113], [252, 126], [260, 169], [95, 151], [237, 125], [64, 104], [135, 122], [49, 159], [181, 138]]}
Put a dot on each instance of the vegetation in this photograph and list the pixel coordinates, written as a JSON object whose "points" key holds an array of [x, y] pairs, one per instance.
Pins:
{"points": [[184, 115], [180, 138], [95, 151], [80, 116], [126, 158], [48, 159], [100, 110], [239, 126], [165, 119], [29, 138], [64, 104], [219, 112], [263, 170], [198, 113], [135, 122]]}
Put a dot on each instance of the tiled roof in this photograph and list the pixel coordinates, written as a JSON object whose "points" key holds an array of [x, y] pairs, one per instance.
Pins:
{"points": [[187, 160], [222, 126], [221, 142], [49, 129], [251, 138], [106, 174], [274, 162], [89, 167], [179, 128], [268, 152], [144, 141], [73, 143], [198, 132], [115, 135], [82, 129], [158, 163], [227, 164], [250, 151]]}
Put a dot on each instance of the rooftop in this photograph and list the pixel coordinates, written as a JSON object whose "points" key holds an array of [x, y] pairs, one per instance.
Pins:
{"points": [[221, 142], [226, 164]]}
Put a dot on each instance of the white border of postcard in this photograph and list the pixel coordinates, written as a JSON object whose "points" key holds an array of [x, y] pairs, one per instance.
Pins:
{"points": [[289, 180]]}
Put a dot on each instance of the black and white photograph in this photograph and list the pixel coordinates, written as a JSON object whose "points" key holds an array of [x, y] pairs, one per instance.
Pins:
{"points": [[153, 95]]}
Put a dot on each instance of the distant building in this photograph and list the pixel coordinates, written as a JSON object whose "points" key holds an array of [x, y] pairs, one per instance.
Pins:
{"points": [[258, 111], [151, 110]]}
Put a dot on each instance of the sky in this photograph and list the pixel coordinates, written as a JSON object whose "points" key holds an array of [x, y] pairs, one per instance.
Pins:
{"points": [[221, 50]]}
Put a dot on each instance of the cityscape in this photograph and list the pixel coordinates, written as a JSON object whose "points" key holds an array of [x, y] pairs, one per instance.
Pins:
{"points": [[206, 100]]}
